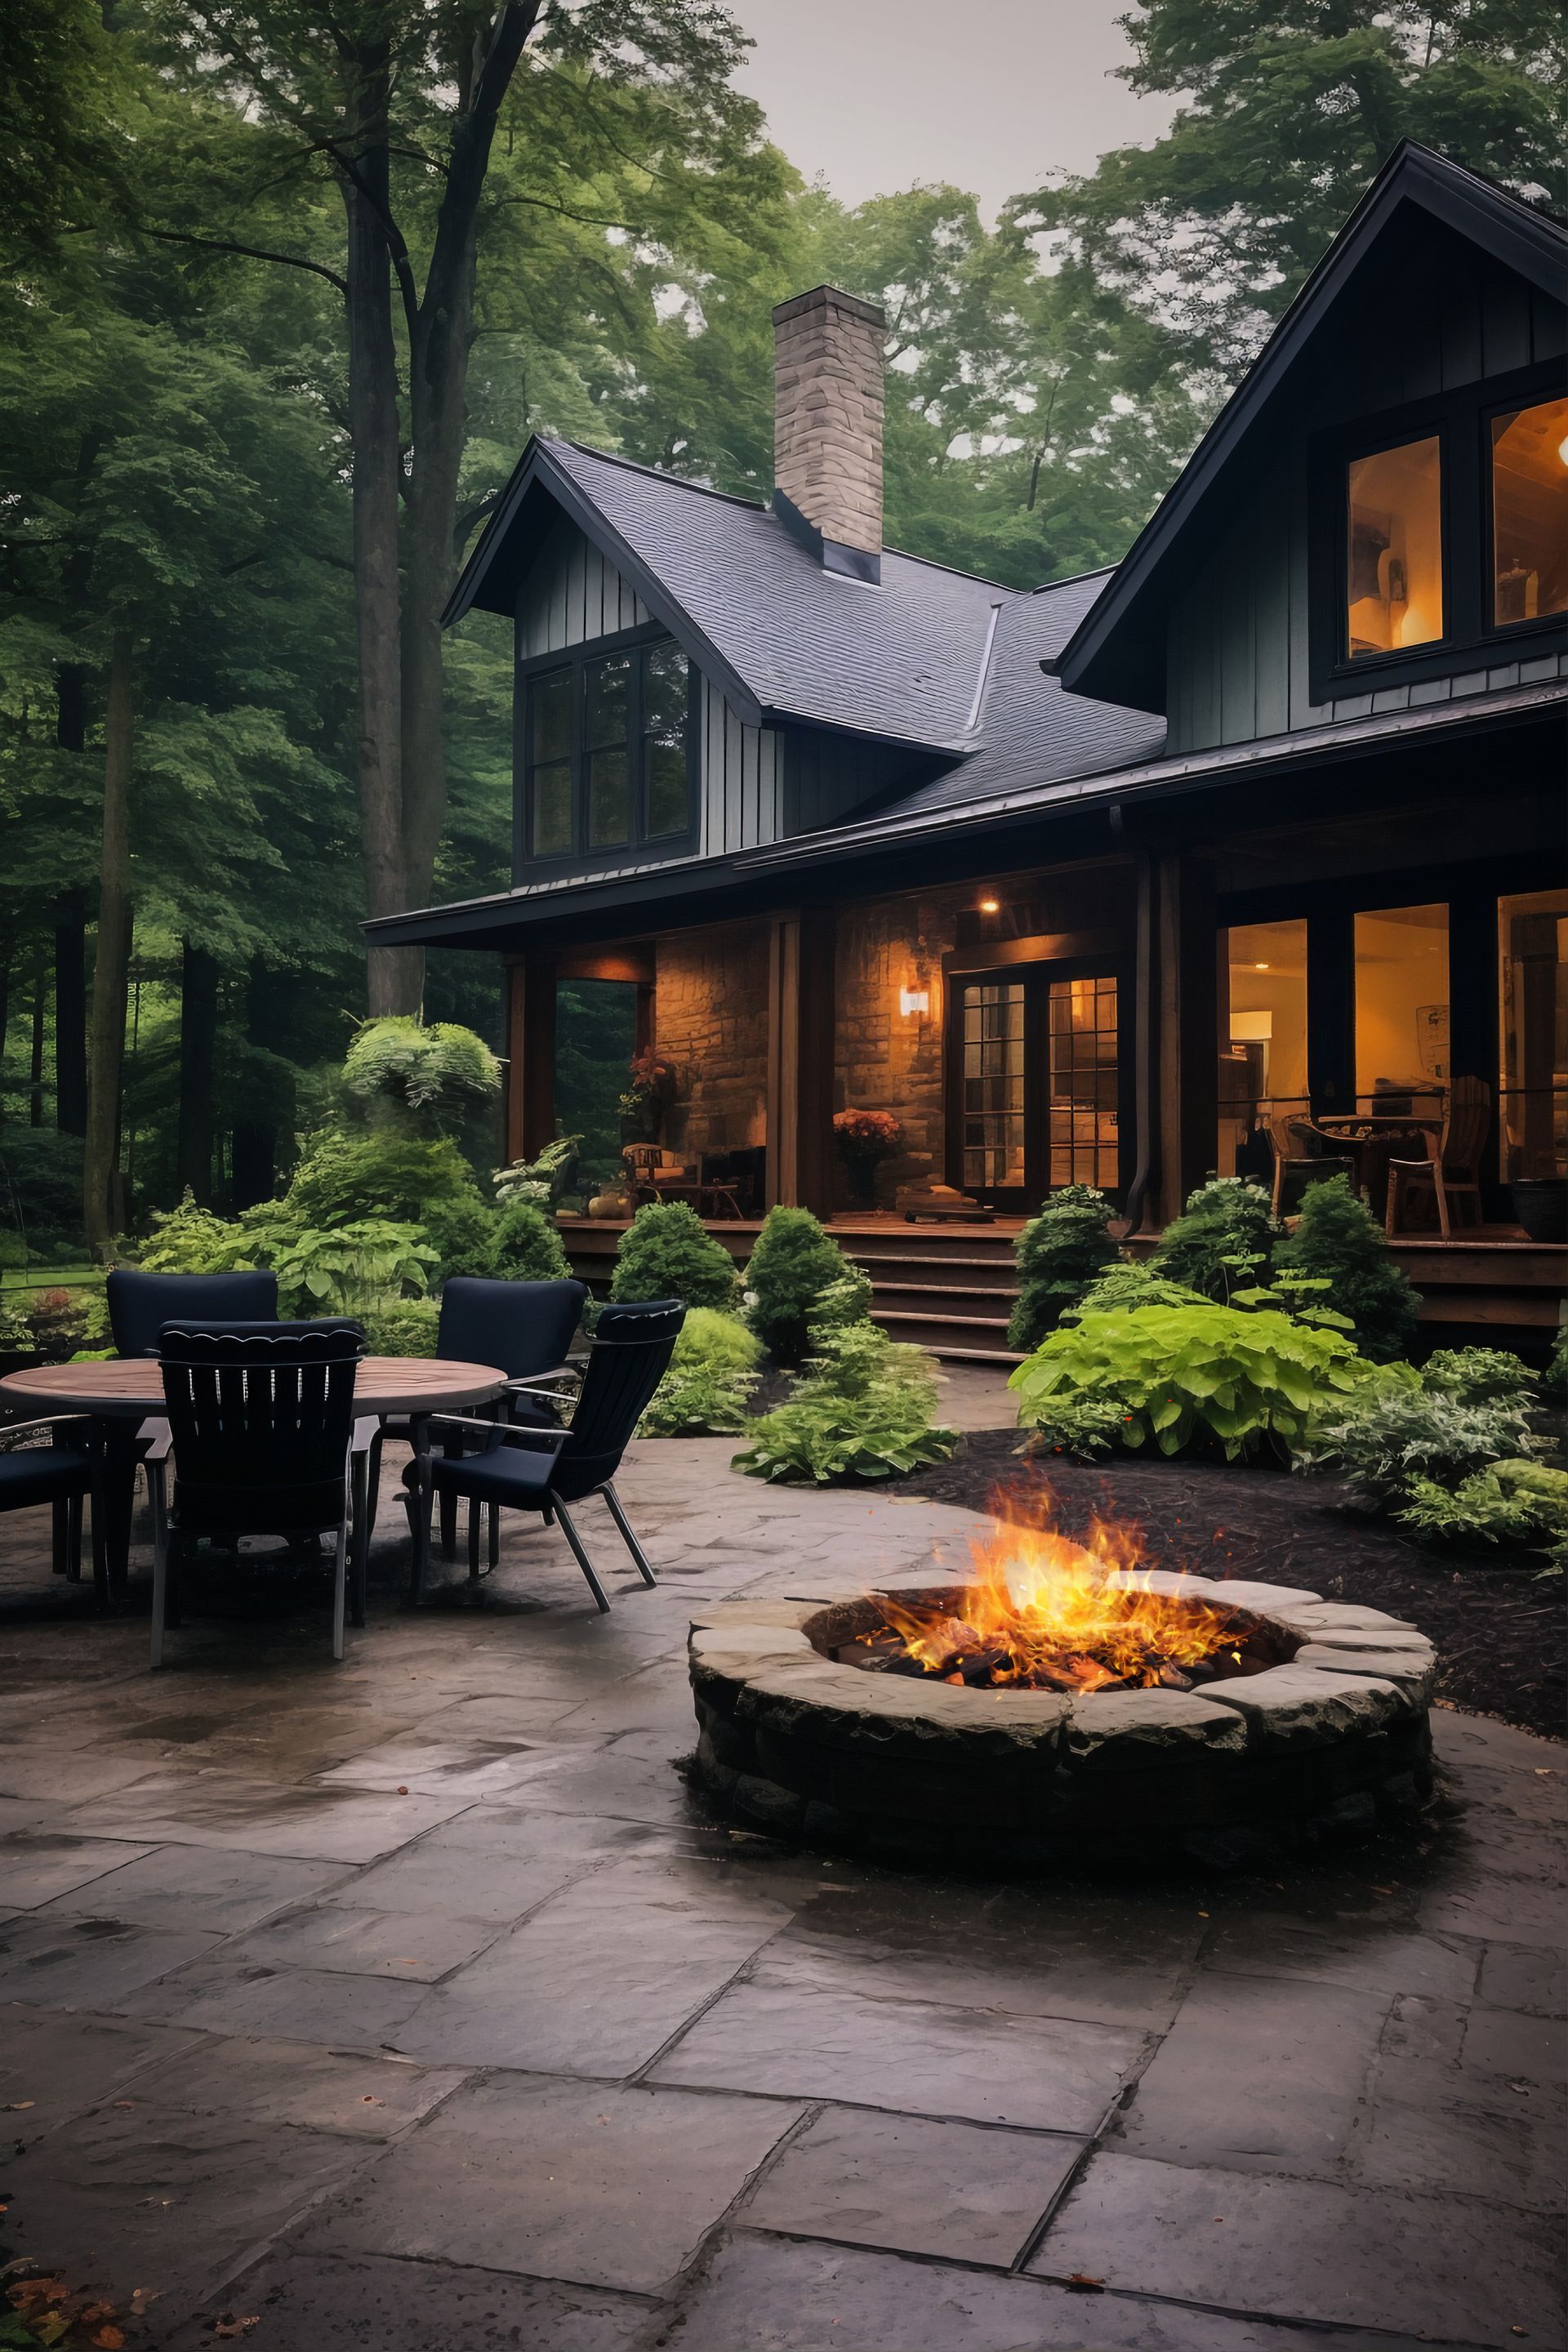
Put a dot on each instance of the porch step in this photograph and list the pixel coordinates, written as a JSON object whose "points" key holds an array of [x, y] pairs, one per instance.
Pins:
{"points": [[900, 1269], [948, 1335]]}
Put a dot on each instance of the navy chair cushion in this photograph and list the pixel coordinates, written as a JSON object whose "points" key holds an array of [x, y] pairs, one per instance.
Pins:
{"points": [[507, 1475], [141, 1304], [42, 1474]]}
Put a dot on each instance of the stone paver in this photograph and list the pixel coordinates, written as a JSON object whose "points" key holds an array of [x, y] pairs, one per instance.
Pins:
{"points": [[419, 2000]]}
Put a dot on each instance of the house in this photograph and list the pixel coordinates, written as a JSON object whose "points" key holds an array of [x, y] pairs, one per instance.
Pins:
{"points": [[1107, 882]]}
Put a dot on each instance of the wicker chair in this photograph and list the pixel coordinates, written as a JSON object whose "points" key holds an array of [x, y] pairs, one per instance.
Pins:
{"points": [[1454, 1173]]}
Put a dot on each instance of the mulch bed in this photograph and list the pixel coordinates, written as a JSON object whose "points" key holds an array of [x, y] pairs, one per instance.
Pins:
{"points": [[1501, 1629]]}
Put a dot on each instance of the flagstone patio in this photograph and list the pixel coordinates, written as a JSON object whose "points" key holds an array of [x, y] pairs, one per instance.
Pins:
{"points": [[413, 2002]]}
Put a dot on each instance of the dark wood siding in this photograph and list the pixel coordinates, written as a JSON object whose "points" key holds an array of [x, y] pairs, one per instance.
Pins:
{"points": [[1440, 316]]}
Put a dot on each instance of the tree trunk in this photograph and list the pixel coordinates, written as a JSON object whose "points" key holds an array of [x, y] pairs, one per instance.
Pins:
{"points": [[7, 953], [70, 933], [198, 1031], [255, 1154], [393, 985], [36, 1064], [101, 1189]]}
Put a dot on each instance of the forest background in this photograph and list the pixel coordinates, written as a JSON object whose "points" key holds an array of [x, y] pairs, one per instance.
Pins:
{"points": [[284, 289]]}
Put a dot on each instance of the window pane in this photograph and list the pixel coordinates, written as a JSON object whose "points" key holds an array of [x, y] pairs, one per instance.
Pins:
{"points": [[1394, 589], [993, 1084], [552, 809], [1262, 1042], [667, 786], [607, 700], [1084, 1131], [609, 798], [1402, 1010], [664, 687], [1532, 996], [550, 702], [1529, 512]]}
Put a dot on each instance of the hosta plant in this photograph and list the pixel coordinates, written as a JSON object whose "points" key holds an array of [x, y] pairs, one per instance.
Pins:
{"points": [[712, 1374], [862, 1410], [1179, 1374], [349, 1271]]}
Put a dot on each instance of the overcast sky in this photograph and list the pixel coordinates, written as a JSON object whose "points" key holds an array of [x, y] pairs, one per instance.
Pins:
{"points": [[990, 94]]}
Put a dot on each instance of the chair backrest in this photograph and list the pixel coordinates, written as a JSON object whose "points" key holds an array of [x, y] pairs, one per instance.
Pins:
{"points": [[141, 1304], [642, 1156], [1466, 1125], [526, 1327], [262, 1414], [631, 1352]]}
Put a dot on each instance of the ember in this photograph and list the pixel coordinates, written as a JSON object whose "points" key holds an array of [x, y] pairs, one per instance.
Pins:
{"points": [[1046, 1612]]}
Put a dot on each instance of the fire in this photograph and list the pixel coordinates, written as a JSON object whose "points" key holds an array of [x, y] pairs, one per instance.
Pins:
{"points": [[1045, 1612]]}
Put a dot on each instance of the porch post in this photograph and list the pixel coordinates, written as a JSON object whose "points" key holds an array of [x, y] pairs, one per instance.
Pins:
{"points": [[1188, 1013], [800, 1060], [531, 1057]]}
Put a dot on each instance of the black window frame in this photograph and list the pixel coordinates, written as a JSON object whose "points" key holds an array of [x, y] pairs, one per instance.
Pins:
{"points": [[1471, 641], [641, 844]]}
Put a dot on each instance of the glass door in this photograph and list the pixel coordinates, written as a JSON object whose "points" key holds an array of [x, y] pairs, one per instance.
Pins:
{"points": [[1036, 1081]]}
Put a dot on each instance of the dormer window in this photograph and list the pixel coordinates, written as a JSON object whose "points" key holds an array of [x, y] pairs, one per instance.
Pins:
{"points": [[1393, 594], [1529, 512], [607, 753]]}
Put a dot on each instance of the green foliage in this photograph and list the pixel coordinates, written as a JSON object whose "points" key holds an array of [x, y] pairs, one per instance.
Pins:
{"points": [[668, 1253], [1060, 1253], [862, 1410], [1177, 1373], [710, 1375], [543, 1181], [848, 1300], [1510, 1503], [1397, 1430], [40, 1187], [1557, 1367], [1338, 1241], [400, 1327], [528, 1246], [1079, 1424], [186, 1240], [1480, 1375], [429, 1078], [349, 1270], [792, 1264], [1220, 1240], [1129, 1283], [407, 1179]]}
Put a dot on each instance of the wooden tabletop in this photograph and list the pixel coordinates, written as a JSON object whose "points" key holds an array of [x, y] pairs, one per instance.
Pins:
{"points": [[129, 1388]]}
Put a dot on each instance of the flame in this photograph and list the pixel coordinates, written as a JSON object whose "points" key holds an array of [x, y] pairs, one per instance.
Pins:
{"points": [[1061, 1614]]}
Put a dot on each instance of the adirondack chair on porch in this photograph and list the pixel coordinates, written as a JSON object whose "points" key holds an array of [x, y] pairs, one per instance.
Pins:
{"points": [[1453, 1170]]}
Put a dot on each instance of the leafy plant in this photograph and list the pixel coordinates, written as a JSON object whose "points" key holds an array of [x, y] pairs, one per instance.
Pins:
{"points": [[1130, 1284], [867, 1134], [1478, 1375], [845, 1301], [666, 1252], [791, 1265], [1084, 1425], [527, 1246], [349, 1271], [186, 1240], [1511, 1501], [1396, 1431], [712, 1374], [430, 1077], [401, 1327], [1058, 1254], [648, 1083], [544, 1180], [862, 1410], [409, 1178], [1338, 1240], [1178, 1373], [1221, 1239]]}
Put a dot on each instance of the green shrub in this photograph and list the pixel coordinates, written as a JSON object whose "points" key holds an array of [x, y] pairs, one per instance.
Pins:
{"points": [[1557, 1366], [1123, 1286], [1396, 1430], [710, 1375], [544, 1180], [40, 1187], [793, 1264], [401, 1327], [1176, 1372], [668, 1253], [1512, 1503], [188, 1240], [352, 1269], [428, 1078], [1480, 1375], [410, 1179], [1338, 1240], [1058, 1254], [527, 1248], [863, 1409], [845, 1301], [1220, 1240]]}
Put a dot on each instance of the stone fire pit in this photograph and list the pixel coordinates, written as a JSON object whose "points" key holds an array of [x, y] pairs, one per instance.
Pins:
{"points": [[1329, 1741]]}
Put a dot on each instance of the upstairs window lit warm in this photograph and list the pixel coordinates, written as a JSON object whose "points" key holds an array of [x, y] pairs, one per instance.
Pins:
{"points": [[607, 758], [1393, 592], [1529, 512]]}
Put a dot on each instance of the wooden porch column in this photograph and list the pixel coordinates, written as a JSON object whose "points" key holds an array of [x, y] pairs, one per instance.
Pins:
{"points": [[531, 1057], [1188, 1014], [800, 1060]]}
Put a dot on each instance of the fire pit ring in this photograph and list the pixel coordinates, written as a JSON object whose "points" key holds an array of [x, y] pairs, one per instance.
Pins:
{"points": [[1330, 1742]]}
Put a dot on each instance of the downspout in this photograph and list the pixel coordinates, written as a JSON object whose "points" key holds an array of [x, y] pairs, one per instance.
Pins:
{"points": [[1145, 1099]]}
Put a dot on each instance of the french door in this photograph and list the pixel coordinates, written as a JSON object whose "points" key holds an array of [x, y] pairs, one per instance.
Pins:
{"points": [[1037, 1082]]}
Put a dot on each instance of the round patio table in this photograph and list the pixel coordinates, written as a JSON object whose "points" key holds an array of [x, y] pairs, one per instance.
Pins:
{"points": [[130, 1389]]}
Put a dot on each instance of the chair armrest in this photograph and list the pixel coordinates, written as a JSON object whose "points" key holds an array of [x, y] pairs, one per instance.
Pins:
{"points": [[501, 1429], [540, 1386], [42, 1421]]}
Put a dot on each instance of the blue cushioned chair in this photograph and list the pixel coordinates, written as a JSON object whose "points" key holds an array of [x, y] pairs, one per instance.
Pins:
{"points": [[261, 1416], [533, 1468], [141, 1304], [59, 1474]]}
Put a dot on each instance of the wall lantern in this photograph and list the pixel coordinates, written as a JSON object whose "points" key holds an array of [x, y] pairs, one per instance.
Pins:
{"points": [[991, 906], [914, 999]]}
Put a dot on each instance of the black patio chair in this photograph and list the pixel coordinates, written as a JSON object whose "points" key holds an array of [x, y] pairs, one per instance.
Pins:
{"points": [[59, 1474], [525, 1329], [525, 1468], [141, 1304], [261, 1416]]}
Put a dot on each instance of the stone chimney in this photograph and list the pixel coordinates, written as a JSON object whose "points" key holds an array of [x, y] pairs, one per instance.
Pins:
{"points": [[827, 428]]}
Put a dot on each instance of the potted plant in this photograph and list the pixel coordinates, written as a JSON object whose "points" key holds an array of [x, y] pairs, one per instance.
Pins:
{"points": [[1541, 1205], [864, 1138], [642, 1104]]}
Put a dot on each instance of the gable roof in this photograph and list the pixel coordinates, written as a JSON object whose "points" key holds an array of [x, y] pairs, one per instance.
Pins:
{"points": [[1105, 654]]}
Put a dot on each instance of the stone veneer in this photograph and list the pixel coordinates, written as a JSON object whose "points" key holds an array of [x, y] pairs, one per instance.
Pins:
{"points": [[711, 1026], [1327, 1746], [827, 414]]}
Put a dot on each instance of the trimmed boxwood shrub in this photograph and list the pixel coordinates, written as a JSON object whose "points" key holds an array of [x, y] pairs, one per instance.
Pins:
{"points": [[1221, 1240], [1058, 1254], [795, 1260], [527, 1248], [666, 1252]]}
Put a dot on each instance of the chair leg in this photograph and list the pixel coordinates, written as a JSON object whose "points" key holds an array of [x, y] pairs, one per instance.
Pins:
{"points": [[450, 1446], [627, 1538], [421, 1510], [583, 1562], [476, 1530], [160, 1590], [73, 1537], [341, 1581], [60, 1535], [360, 1471], [1445, 1224], [371, 1487], [495, 1534]]}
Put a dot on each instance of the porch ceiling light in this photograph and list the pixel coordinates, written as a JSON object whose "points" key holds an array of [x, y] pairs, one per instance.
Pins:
{"points": [[991, 906]]}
